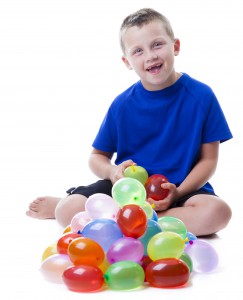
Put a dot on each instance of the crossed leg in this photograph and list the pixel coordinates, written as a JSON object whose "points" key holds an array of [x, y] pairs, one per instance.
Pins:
{"points": [[43, 207], [62, 209], [202, 214]]}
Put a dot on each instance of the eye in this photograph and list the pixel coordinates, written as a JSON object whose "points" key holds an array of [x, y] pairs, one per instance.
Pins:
{"points": [[158, 44], [137, 51]]}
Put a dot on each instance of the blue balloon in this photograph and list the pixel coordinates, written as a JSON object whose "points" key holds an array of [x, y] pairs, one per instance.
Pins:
{"points": [[152, 228], [104, 231], [155, 216], [190, 236]]}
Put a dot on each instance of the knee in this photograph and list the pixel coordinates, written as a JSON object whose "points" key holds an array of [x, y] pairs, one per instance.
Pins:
{"points": [[222, 213], [68, 207], [61, 215], [227, 212]]}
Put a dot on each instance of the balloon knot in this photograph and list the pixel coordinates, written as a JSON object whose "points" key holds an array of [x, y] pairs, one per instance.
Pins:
{"points": [[186, 239]]}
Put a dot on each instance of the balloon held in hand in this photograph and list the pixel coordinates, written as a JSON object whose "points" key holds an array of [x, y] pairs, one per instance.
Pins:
{"points": [[153, 187], [136, 172]]}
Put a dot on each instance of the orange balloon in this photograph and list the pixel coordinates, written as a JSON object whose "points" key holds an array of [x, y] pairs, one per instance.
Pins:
{"points": [[85, 251]]}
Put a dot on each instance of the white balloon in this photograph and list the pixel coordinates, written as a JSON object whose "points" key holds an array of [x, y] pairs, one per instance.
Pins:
{"points": [[79, 221], [101, 206], [53, 267]]}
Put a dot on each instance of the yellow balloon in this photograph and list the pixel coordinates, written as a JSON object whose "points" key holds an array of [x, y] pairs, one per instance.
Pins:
{"points": [[105, 265], [67, 229], [165, 244], [50, 250]]}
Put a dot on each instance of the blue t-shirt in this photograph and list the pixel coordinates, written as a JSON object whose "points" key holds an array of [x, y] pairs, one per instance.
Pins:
{"points": [[163, 130]]}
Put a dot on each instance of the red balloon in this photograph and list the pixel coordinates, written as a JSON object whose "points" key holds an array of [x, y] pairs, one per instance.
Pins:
{"points": [[83, 278], [132, 220], [145, 261], [167, 273], [85, 251], [154, 189], [65, 240]]}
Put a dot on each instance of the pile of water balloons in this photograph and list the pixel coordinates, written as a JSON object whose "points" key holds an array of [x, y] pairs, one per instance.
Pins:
{"points": [[120, 243]]}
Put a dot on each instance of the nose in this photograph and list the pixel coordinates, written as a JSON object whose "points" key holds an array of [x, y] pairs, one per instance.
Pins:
{"points": [[151, 55]]}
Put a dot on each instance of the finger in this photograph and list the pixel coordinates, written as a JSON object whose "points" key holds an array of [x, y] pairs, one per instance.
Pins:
{"points": [[151, 201], [166, 185]]}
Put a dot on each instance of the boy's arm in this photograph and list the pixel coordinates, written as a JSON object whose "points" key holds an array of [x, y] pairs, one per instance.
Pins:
{"points": [[101, 165], [198, 176], [202, 171]]}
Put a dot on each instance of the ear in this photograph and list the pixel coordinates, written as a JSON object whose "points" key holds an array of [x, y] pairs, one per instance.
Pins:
{"points": [[126, 62], [177, 45]]}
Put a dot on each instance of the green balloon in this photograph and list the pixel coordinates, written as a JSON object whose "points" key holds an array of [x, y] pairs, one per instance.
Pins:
{"points": [[187, 259], [165, 245], [148, 209], [124, 275], [173, 224], [136, 172], [128, 191]]}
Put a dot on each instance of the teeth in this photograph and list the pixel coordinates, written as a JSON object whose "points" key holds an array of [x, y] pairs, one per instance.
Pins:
{"points": [[157, 66]]}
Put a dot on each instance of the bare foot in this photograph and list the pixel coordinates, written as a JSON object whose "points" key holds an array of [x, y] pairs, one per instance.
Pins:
{"points": [[43, 207]]}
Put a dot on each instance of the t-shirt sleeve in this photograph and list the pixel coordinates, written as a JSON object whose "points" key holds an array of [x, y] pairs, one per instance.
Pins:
{"points": [[215, 127], [106, 137]]}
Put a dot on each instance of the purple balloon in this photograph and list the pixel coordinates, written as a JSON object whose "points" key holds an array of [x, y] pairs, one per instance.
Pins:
{"points": [[204, 257], [104, 231], [126, 248]]}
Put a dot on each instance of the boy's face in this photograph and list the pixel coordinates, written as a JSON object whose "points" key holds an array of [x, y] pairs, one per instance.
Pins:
{"points": [[150, 52]]}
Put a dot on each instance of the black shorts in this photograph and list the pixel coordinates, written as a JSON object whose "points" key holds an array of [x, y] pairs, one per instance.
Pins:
{"points": [[105, 187], [101, 186], [179, 202]]}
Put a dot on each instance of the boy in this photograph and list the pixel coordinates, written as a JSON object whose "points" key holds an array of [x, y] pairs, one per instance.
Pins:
{"points": [[167, 122]]}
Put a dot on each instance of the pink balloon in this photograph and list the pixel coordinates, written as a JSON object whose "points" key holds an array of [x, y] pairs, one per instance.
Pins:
{"points": [[79, 221], [101, 206], [126, 248], [53, 267], [204, 257]]}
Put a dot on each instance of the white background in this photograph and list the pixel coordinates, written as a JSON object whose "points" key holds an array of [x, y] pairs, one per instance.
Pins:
{"points": [[60, 68]]}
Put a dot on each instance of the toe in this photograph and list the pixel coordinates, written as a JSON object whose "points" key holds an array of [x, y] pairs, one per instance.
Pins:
{"points": [[31, 213], [32, 207]]}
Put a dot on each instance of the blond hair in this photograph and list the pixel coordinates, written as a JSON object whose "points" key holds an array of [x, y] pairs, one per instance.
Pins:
{"points": [[142, 17]]}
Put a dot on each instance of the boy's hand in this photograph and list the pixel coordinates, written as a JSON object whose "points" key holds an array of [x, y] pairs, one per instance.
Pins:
{"points": [[164, 204], [117, 172]]}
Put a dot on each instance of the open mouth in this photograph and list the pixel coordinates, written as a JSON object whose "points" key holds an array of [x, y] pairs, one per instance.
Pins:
{"points": [[154, 69]]}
